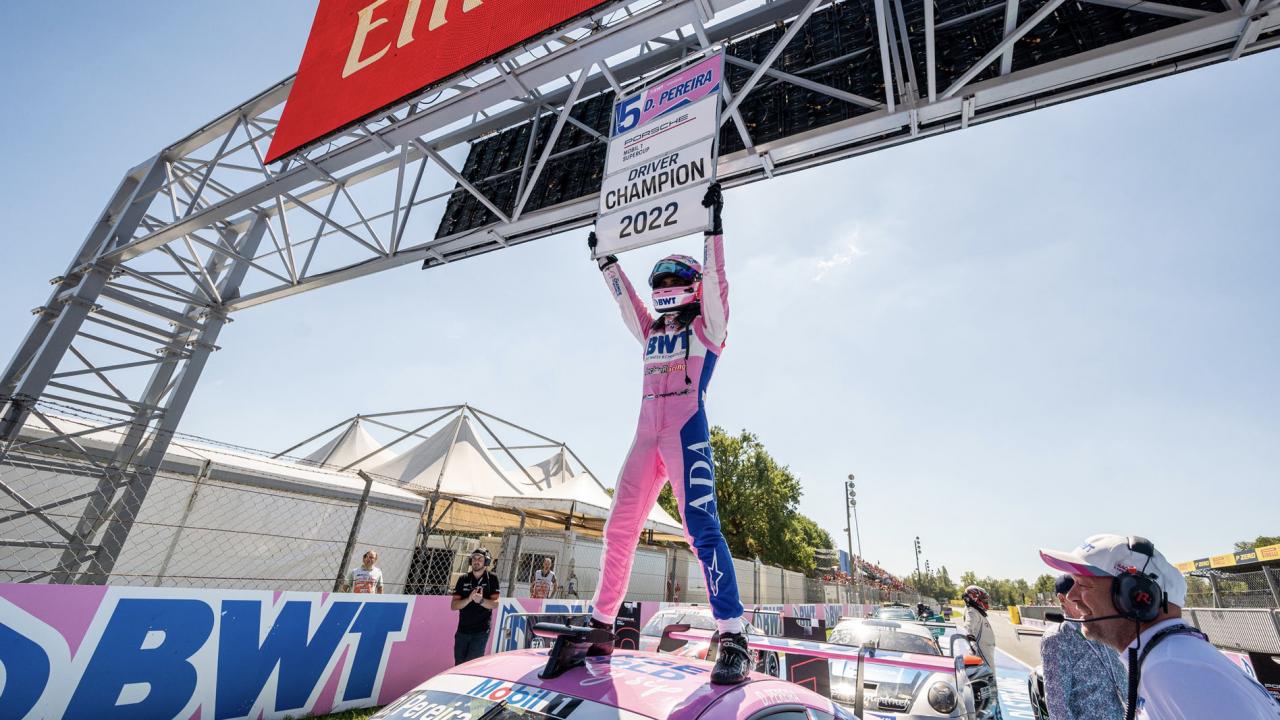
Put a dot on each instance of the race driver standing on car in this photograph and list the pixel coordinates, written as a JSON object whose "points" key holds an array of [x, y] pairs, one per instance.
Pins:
{"points": [[976, 604], [672, 443]]}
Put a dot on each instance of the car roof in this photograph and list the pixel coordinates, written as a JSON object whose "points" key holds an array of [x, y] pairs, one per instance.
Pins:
{"points": [[648, 684], [906, 628]]}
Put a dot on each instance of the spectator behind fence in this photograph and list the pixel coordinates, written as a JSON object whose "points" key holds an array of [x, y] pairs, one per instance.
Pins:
{"points": [[1083, 680], [544, 581], [367, 578], [1130, 599], [474, 598]]}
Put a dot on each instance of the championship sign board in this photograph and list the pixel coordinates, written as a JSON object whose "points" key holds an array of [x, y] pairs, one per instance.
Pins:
{"points": [[661, 158], [363, 55]]}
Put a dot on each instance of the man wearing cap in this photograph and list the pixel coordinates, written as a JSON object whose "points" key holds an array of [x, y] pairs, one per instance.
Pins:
{"points": [[474, 597], [1082, 679], [1130, 599]]}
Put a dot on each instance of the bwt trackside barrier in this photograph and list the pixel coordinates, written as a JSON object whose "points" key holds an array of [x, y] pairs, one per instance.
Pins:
{"points": [[113, 652], [151, 653]]}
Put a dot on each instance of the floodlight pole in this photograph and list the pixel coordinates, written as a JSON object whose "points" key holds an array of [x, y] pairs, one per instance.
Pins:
{"points": [[851, 521], [917, 558]]}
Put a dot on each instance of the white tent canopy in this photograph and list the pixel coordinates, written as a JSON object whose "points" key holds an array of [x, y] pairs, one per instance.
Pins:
{"points": [[455, 460], [354, 448], [582, 495], [553, 471]]}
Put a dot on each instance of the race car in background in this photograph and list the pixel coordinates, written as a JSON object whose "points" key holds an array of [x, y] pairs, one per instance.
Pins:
{"points": [[875, 683], [893, 611], [628, 685], [900, 612], [941, 685], [698, 618], [1035, 692]]}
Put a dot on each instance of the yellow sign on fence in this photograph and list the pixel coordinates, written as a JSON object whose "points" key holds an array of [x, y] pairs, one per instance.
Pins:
{"points": [[1232, 559]]}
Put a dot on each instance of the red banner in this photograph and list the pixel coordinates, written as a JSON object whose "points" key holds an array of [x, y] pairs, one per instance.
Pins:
{"points": [[364, 55]]}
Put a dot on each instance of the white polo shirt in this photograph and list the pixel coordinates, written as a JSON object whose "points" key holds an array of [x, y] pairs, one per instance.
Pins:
{"points": [[1186, 678]]}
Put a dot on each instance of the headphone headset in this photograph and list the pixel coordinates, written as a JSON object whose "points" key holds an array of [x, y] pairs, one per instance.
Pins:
{"points": [[1136, 595], [488, 559]]}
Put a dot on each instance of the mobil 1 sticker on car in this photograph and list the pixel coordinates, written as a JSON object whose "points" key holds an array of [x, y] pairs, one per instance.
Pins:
{"points": [[661, 158]]}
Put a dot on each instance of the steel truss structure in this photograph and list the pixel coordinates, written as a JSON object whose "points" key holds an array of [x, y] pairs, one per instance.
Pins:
{"points": [[207, 228]]}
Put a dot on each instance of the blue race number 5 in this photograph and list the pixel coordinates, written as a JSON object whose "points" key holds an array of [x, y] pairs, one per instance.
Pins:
{"points": [[627, 115]]}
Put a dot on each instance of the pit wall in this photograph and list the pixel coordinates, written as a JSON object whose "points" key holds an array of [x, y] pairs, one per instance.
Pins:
{"points": [[115, 652]]}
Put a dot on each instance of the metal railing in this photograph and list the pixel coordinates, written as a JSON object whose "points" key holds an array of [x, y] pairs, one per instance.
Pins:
{"points": [[1242, 629], [270, 523], [1216, 589], [200, 526]]}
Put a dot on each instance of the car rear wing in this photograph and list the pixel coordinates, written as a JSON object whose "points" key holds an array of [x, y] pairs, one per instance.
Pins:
{"points": [[861, 656], [569, 648]]}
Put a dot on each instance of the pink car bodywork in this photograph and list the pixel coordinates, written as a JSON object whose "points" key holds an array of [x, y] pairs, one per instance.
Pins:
{"points": [[641, 684]]}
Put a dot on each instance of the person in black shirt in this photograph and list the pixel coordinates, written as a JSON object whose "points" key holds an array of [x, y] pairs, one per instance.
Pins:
{"points": [[474, 597]]}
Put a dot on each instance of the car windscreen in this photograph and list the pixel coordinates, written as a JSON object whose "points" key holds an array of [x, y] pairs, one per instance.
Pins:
{"points": [[436, 705], [884, 638], [695, 620], [895, 614]]}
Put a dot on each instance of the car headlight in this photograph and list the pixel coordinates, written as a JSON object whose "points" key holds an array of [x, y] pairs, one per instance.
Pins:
{"points": [[942, 697]]}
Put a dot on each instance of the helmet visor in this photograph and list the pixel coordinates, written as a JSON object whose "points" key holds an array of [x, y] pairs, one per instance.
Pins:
{"points": [[684, 274]]}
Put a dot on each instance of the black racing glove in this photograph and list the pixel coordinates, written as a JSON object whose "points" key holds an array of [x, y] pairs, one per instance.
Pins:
{"points": [[605, 261], [714, 199]]}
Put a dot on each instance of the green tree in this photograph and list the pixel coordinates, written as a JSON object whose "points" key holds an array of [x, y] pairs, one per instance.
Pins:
{"points": [[968, 578], [1023, 590], [1260, 541], [946, 588], [757, 498], [936, 585], [1045, 585]]}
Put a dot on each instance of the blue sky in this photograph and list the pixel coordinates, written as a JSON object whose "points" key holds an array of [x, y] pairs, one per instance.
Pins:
{"points": [[1015, 336]]}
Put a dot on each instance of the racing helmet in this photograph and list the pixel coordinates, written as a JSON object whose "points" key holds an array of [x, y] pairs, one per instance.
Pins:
{"points": [[676, 282], [977, 597]]}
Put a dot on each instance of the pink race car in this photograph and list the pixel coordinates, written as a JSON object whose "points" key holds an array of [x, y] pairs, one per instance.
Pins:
{"points": [[624, 686]]}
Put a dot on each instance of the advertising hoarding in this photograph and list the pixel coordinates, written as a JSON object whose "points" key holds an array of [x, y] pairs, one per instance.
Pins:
{"points": [[363, 55]]}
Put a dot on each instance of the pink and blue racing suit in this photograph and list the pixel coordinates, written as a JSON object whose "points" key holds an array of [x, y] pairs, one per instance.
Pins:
{"points": [[672, 442]]}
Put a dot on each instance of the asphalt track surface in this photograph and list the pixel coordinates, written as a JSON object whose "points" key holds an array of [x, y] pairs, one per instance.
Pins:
{"points": [[1025, 648], [1015, 656]]}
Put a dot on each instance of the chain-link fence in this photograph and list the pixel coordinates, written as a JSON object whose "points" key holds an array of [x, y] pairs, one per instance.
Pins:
{"points": [[661, 571], [1215, 589], [1246, 629], [864, 594], [233, 518], [211, 526]]}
